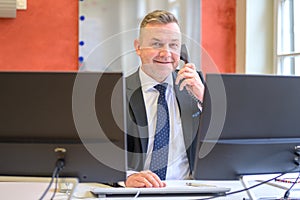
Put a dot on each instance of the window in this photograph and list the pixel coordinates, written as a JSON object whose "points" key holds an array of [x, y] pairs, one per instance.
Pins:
{"points": [[288, 37]]}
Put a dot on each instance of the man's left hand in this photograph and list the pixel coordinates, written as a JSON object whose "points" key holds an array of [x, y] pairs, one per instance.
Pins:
{"points": [[190, 80]]}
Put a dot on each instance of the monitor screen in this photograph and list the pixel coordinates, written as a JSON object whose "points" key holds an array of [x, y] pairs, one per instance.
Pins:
{"points": [[80, 112], [249, 125]]}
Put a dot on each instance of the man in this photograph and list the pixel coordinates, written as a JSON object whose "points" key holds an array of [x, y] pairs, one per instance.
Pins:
{"points": [[158, 47]]}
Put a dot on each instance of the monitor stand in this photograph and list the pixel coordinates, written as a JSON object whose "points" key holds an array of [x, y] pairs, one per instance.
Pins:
{"points": [[65, 185]]}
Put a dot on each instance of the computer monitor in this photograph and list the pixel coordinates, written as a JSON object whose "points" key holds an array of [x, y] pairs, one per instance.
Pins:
{"points": [[80, 112], [249, 125]]}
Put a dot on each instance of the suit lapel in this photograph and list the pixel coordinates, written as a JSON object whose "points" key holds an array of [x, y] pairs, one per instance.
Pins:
{"points": [[136, 103], [189, 119]]}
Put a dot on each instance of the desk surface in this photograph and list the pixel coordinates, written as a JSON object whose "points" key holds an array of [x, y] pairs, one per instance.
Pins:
{"points": [[34, 190]]}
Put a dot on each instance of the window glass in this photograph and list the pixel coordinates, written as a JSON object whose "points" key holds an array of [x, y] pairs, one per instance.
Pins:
{"points": [[288, 37]]}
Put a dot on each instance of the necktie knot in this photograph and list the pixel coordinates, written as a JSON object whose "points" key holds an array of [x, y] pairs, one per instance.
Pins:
{"points": [[161, 88]]}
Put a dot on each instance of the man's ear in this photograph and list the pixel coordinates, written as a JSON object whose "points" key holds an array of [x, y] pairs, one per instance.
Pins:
{"points": [[137, 46]]}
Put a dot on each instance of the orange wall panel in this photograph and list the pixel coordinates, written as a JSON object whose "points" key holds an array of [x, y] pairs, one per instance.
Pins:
{"points": [[219, 35], [42, 38]]}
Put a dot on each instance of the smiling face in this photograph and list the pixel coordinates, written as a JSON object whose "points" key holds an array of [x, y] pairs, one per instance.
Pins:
{"points": [[159, 49]]}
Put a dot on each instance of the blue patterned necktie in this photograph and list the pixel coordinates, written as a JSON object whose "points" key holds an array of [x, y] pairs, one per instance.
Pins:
{"points": [[159, 160]]}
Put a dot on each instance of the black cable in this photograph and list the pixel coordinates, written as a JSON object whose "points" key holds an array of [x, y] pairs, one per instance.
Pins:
{"points": [[251, 187], [287, 193], [245, 189], [50, 183], [55, 187], [60, 163]]}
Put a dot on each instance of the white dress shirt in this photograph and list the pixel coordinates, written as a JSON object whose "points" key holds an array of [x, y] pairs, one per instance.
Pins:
{"points": [[178, 165]]}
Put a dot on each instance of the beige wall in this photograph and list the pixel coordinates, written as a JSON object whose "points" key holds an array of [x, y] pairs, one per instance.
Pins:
{"points": [[255, 41]]}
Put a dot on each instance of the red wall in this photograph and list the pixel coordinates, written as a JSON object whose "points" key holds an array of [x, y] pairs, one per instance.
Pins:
{"points": [[219, 36], [43, 37]]}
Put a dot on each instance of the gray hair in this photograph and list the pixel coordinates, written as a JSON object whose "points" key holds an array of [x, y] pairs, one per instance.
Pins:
{"points": [[160, 17]]}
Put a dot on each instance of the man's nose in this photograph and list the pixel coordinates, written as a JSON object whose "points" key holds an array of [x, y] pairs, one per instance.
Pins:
{"points": [[165, 51]]}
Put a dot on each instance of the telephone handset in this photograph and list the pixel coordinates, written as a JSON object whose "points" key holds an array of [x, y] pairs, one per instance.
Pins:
{"points": [[184, 56]]}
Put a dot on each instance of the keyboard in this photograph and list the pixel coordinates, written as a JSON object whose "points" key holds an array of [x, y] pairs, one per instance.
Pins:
{"points": [[170, 190]]}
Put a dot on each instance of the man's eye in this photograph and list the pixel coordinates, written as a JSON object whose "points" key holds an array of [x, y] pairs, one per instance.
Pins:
{"points": [[174, 46], [156, 44]]}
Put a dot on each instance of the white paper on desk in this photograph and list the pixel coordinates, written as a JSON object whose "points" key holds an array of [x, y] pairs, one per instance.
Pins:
{"points": [[273, 188], [264, 177]]}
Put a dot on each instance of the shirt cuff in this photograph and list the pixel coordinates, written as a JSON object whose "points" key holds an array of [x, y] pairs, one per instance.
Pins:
{"points": [[130, 172]]}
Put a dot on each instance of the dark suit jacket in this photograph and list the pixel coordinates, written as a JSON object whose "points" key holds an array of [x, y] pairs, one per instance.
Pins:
{"points": [[137, 134]]}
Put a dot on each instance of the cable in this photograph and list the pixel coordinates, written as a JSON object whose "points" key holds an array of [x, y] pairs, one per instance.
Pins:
{"points": [[251, 187], [137, 195], [55, 188], [287, 193], [243, 190], [59, 165], [50, 183], [296, 160]]}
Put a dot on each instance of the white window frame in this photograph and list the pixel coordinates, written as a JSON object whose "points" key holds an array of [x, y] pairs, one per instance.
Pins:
{"points": [[286, 62]]}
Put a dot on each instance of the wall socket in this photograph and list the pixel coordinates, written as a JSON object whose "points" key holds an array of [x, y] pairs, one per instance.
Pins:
{"points": [[21, 4]]}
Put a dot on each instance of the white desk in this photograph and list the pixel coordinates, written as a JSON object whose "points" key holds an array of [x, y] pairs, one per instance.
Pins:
{"points": [[229, 184], [34, 190]]}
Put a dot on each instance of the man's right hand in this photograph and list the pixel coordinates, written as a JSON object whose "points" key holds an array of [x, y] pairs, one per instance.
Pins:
{"points": [[144, 179]]}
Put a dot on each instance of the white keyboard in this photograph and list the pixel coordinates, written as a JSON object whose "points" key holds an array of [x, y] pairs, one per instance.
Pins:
{"points": [[176, 190]]}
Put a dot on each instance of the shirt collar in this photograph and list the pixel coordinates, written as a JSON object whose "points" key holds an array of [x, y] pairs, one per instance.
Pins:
{"points": [[148, 83]]}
